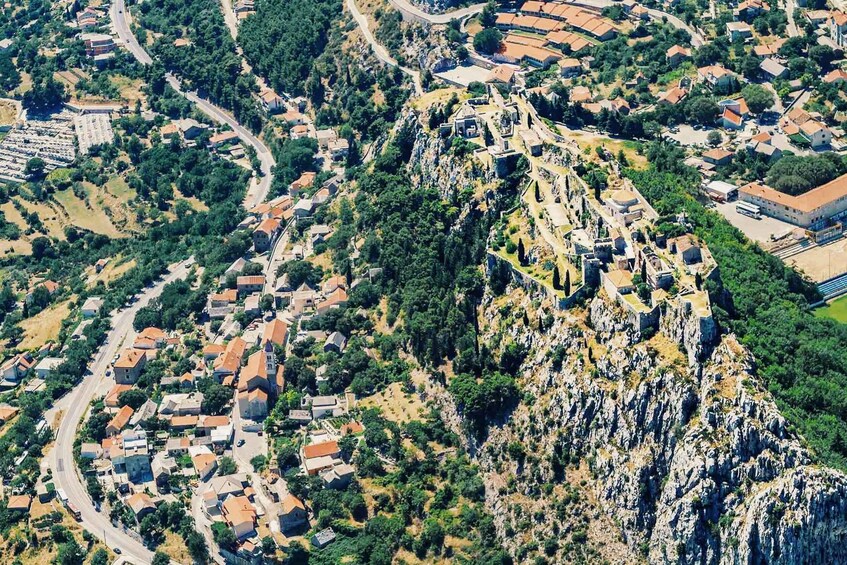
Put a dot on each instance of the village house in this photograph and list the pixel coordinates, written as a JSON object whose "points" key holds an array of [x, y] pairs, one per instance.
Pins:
{"points": [[141, 505], [265, 234], [292, 514], [129, 365], [91, 307], [716, 76], [677, 54], [239, 515], [248, 284], [119, 421], [320, 456], [271, 101], [204, 461]]}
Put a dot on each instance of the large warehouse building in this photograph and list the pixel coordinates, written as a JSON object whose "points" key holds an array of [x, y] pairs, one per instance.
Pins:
{"points": [[810, 210]]}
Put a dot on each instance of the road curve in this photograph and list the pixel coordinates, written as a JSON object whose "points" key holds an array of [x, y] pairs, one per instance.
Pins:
{"points": [[259, 191], [380, 51], [412, 12], [61, 458]]}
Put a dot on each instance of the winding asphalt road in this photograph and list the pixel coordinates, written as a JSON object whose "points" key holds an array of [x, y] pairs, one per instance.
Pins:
{"points": [[76, 403], [410, 11], [380, 51], [258, 190], [61, 458]]}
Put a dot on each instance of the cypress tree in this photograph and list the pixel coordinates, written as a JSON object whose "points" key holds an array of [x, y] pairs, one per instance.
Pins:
{"points": [[557, 283], [567, 283], [521, 252]]}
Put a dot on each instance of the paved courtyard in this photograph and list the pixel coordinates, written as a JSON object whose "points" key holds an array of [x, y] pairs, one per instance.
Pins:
{"points": [[464, 75]]}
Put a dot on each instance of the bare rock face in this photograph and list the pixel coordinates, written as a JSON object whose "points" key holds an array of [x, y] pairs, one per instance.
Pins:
{"points": [[677, 454], [433, 166]]}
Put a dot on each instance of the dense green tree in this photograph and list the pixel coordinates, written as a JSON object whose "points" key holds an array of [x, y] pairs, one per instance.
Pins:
{"points": [[758, 98], [488, 40]]}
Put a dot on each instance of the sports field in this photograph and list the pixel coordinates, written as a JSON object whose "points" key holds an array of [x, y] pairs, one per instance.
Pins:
{"points": [[837, 310]]}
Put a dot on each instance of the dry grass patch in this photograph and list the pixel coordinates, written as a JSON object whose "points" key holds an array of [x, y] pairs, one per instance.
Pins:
{"points": [[175, 548], [18, 247], [45, 325], [396, 405], [195, 202], [48, 214], [113, 270], [79, 214], [324, 261], [12, 215], [8, 112]]}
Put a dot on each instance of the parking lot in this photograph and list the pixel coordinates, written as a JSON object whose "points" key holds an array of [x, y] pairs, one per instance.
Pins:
{"points": [[759, 230]]}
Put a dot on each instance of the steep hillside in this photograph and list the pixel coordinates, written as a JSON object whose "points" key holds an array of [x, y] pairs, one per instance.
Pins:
{"points": [[628, 447]]}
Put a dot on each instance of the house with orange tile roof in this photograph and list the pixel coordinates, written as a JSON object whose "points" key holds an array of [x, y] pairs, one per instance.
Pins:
{"points": [[716, 76], [838, 28], [275, 332], [265, 234], [52, 287], [335, 299], [119, 421], [292, 513], [223, 138], [501, 74], [515, 53], [677, 54], [319, 456], [19, 503], [16, 367], [731, 120], [223, 298], [816, 133], [271, 101], [673, 96], [718, 156], [151, 338], [204, 461], [248, 284], [253, 404], [111, 398], [239, 515], [168, 131], [7, 413], [212, 351], [835, 76], [129, 365], [304, 181], [228, 363]]}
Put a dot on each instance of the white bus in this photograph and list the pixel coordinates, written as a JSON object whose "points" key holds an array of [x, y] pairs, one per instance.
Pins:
{"points": [[748, 209], [63, 498]]}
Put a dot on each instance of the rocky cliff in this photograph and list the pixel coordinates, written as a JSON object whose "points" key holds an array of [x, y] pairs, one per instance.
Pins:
{"points": [[664, 451], [625, 449], [433, 165]]}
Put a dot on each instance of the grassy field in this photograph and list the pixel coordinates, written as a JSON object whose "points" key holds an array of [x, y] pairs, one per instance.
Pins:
{"points": [[396, 405], [113, 270], [94, 218], [118, 187], [837, 310], [49, 216], [45, 325]]}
